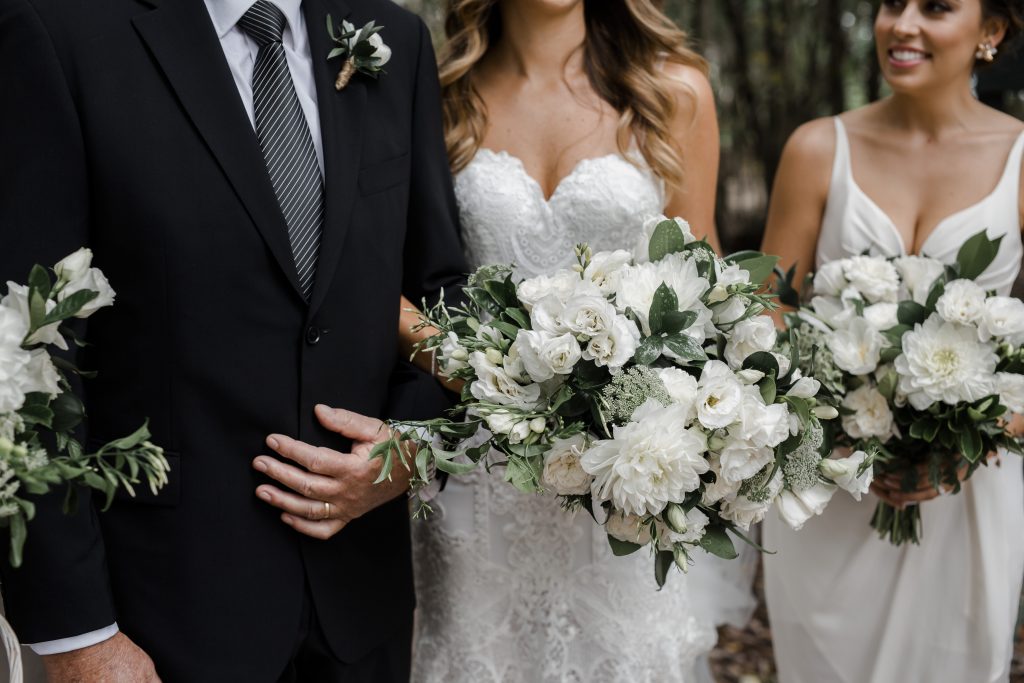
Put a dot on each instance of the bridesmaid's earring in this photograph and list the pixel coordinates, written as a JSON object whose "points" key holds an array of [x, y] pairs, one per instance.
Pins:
{"points": [[986, 52]]}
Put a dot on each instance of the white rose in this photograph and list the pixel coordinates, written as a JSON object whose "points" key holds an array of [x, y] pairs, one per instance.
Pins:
{"points": [[719, 396], [381, 52], [844, 472], [588, 315], [546, 315], [1003, 318], [944, 361], [93, 280], [759, 424], [604, 268], [874, 277], [545, 355], [560, 285], [682, 389], [748, 337], [795, 508], [857, 349], [829, 279], [74, 266], [494, 385], [741, 459], [805, 387], [563, 473], [616, 347], [882, 316], [729, 311], [649, 462], [1011, 391], [17, 302], [919, 273], [963, 301], [871, 415], [628, 528], [642, 250], [40, 375]]}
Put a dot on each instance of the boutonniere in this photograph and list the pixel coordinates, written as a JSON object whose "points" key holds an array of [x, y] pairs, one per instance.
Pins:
{"points": [[362, 50]]}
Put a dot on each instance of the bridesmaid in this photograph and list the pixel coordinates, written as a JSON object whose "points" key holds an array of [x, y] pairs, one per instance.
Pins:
{"points": [[916, 173]]}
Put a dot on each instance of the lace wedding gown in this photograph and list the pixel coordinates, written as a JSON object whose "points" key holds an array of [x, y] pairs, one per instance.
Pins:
{"points": [[847, 607], [509, 587]]}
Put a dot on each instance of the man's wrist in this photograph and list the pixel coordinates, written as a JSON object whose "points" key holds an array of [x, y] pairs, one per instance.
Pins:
{"points": [[79, 642]]}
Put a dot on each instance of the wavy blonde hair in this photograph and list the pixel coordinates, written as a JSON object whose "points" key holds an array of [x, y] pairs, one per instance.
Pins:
{"points": [[626, 42]]}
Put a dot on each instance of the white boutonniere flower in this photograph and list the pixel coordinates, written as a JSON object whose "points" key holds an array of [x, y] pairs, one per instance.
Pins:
{"points": [[363, 50]]}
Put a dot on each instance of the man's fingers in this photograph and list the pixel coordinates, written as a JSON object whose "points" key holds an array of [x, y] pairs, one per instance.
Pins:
{"points": [[314, 459], [306, 508], [310, 485], [353, 425], [320, 530]]}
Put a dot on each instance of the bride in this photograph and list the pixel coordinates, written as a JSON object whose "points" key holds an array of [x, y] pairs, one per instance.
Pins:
{"points": [[566, 121]]}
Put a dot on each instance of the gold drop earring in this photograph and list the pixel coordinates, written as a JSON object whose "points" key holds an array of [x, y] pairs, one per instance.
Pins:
{"points": [[986, 52]]}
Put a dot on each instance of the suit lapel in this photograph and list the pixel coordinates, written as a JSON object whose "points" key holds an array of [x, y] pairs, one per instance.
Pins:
{"points": [[341, 121], [180, 35]]}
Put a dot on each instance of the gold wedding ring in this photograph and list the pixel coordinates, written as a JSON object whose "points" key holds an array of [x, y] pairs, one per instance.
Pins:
{"points": [[327, 510]]}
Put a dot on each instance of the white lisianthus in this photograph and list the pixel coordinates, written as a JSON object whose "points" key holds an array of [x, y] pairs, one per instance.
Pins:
{"points": [[40, 375], [719, 395], [829, 280], [563, 473], [546, 315], [642, 251], [1011, 391], [494, 385], [545, 355], [17, 301], [874, 277], [919, 273], [760, 425], [720, 489], [93, 279], [560, 285], [844, 473], [588, 315], [963, 301], [944, 361], [729, 311], [805, 387], [504, 422], [748, 337], [871, 415], [73, 266], [649, 462], [857, 348], [13, 359], [741, 459], [742, 511], [682, 389], [882, 316], [796, 507], [1003, 318], [604, 268], [381, 52], [628, 528], [452, 355], [616, 347], [696, 524]]}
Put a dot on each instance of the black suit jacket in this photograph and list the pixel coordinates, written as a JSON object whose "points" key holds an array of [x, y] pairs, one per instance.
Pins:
{"points": [[121, 129]]}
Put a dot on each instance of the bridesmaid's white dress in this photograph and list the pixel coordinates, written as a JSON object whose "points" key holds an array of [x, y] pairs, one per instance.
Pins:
{"points": [[847, 607], [510, 588]]}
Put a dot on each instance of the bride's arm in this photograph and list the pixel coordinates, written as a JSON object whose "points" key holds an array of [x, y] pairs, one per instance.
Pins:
{"points": [[694, 131], [408, 318]]}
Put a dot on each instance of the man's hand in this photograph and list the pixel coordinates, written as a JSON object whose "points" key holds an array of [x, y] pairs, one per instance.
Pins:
{"points": [[330, 489], [115, 660]]}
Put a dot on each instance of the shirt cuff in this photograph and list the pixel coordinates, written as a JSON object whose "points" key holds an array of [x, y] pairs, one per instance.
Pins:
{"points": [[56, 647]]}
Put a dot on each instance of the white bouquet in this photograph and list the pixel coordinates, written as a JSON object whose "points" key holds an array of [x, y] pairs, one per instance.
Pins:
{"points": [[640, 386], [922, 362]]}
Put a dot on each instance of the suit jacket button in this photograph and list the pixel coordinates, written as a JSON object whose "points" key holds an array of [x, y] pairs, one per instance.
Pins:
{"points": [[312, 335]]}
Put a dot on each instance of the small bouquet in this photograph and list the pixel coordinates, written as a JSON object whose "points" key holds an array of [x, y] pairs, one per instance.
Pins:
{"points": [[922, 362], [38, 410], [640, 386]]}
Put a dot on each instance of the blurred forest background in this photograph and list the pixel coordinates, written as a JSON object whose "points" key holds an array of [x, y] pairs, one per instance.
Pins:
{"points": [[776, 64]]}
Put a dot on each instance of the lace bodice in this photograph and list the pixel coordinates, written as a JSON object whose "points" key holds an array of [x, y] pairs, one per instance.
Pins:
{"points": [[511, 588]]}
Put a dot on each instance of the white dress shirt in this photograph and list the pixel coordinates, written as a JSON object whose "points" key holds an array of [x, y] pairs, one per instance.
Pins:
{"points": [[240, 51]]}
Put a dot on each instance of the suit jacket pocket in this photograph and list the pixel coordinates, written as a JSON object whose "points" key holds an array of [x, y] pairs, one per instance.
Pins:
{"points": [[384, 175], [168, 496]]}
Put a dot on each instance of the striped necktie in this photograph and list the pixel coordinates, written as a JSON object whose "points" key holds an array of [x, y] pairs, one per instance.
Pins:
{"points": [[285, 140]]}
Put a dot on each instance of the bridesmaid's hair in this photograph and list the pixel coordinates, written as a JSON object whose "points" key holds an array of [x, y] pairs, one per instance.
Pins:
{"points": [[1010, 11], [626, 43]]}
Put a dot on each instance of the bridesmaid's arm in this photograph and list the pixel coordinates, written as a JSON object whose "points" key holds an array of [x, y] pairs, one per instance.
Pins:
{"points": [[798, 198], [694, 131], [408, 318]]}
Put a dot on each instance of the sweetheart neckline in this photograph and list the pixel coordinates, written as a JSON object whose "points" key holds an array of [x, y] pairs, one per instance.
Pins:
{"points": [[547, 200]]}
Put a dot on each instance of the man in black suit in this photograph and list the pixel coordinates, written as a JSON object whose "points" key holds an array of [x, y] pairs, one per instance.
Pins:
{"points": [[202, 151]]}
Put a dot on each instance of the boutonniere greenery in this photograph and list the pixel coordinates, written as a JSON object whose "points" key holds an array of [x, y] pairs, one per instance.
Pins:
{"points": [[362, 50]]}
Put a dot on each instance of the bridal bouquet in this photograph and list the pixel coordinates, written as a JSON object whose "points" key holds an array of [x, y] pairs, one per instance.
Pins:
{"points": [[39, 412], [641, 386], [922, 362]]}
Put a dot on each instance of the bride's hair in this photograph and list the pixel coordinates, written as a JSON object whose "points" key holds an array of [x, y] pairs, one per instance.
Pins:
{"points": [[626, 42]]}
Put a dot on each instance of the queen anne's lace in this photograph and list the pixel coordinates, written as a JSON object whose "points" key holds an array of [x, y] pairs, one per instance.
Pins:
{"points": [[510, 588]]}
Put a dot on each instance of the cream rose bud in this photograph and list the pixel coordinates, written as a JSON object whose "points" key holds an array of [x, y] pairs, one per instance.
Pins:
{"points": [[963, 302], [919, 273], [874, 277], [604, 267], [882, 316], [805, 387], [628, 528], [750, 376], [726, 275], [452, 355], [748, 337], [857, 349], [829, 279], [381, 52], [1003, 318], [1011, 391], [719, 395], [616, 347], [545, 355], [795, 508], [870, 416], [844, 472], [563, 473], [74, 266]]}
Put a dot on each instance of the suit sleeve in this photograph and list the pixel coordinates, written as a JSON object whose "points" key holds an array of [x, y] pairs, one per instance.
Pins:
{"points": [[433, 256], [62, 589]]}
